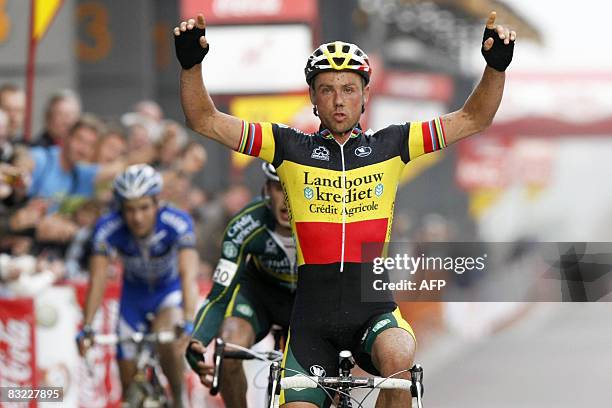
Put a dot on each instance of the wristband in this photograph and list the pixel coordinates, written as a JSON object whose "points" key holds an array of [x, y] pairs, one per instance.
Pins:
{"points": [[188, 327]]}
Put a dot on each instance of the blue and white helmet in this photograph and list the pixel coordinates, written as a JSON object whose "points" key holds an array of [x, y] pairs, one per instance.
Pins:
{"points": [[137, 181]]}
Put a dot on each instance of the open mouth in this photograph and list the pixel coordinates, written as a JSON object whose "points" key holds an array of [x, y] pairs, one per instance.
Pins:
{"points": [[339, 117], [284, 213]]}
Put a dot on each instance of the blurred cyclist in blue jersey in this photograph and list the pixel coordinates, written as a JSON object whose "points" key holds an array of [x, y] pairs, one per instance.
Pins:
{"points": [[156, 244]]}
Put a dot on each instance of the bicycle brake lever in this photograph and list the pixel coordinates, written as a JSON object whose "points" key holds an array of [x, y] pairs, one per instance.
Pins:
{"points": [[217, 359]]}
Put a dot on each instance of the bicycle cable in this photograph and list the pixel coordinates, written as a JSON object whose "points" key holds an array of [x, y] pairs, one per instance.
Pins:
{"points": [[258, 375], [260, 357], [385, 379], [316, 382], [256, 354]]}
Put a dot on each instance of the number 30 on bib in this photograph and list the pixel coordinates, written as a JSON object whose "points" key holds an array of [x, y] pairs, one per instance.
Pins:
{"points": [[225, 272]]}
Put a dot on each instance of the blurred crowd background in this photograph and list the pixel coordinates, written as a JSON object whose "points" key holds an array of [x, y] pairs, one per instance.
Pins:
{"points": [[90, 86]]}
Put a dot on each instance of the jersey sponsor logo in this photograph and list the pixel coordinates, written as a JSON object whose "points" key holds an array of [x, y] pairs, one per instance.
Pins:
{"points": [[380, 325], [107, 229], [356, 189], [320, 153], [156, 239], [378, 190], [149, 270], [187, 240], [317, 370], [280, 125], [178, 223], [363, 151], [275, 266], [244, 310], [229, 250], [242, 228], [328, 191], [225, 272], [308, 193], [271, 247]]}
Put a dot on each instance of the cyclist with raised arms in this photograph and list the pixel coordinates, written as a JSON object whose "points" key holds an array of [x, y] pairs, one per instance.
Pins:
{"points": [[340, 185], [156, 245], [254, 285]]}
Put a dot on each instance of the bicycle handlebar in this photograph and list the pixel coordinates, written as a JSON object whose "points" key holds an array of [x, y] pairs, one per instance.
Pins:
{"points": [[162, 337], [303, 381]]}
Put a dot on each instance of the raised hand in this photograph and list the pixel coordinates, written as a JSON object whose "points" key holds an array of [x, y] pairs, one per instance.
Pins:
{"points": [[498, 44], [190, 41]]}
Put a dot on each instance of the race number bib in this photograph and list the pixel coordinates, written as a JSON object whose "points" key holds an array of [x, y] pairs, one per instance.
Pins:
{"points": [[225, 272]]}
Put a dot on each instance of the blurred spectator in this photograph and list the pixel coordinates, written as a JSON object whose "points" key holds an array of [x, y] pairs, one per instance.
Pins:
{"points": [[216, 217], [78, 251], [62, 112], [143, 133], [176, 189], [13, 185], [6, 188], [151, 110], [193, 159], [111, 146], [12, 101], [6, 147], [60, 171], [25, 275], [60, 176], [173, 141], [196, 200], [12, 180]]}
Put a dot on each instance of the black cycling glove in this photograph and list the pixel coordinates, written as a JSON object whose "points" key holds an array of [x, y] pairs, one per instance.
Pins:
{"points": [[500, 54], [189, 52], [193, 358]]}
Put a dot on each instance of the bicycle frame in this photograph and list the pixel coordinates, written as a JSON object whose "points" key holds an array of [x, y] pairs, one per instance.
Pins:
{"points": [[149, 384]]}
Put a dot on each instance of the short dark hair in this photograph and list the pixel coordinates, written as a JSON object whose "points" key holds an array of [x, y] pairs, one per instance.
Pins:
{"points": [[88, 121], [10, 87], [60, 96]]}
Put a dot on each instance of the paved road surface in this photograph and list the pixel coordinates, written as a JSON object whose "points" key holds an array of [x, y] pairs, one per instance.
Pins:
{"points": [[559, 356]]}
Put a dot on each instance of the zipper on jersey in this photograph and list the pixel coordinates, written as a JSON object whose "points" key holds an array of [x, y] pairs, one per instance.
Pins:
{"points": [[145, 256], [343, 205]]}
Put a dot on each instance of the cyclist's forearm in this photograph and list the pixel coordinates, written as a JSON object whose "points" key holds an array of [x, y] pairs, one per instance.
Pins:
{"points": [[479, 110], [97, 285], [208, 320], [483, 103], [188, 269], [201, 114], [197, 104]]}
